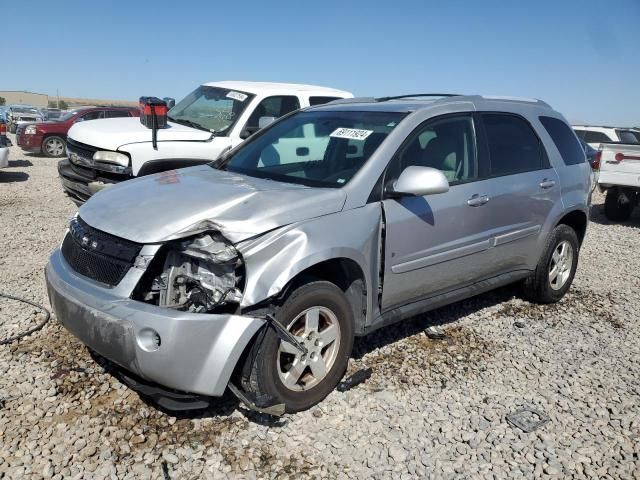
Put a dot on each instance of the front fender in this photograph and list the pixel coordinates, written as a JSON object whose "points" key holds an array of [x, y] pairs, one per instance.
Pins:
{"points": [[276, 258]]}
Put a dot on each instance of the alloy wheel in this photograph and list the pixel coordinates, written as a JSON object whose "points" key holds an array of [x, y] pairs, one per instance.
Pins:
{"points": [[560, 265]]}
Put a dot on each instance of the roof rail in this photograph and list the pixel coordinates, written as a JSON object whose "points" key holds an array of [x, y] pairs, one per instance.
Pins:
{"points": [[412, 95]]}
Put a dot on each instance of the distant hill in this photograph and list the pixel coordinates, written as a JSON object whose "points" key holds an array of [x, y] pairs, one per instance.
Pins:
{"points": [[77, 102]]}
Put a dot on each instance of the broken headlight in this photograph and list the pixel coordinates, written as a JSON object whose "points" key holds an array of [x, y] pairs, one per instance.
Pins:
{"points": [[199, 274]]}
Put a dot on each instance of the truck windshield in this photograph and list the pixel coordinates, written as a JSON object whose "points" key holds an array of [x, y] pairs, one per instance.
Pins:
{"points": [[212, 109], [315, 148]]}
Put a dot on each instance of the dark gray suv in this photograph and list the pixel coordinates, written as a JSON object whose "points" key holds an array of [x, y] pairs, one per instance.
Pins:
{"points": [[257, 271]]}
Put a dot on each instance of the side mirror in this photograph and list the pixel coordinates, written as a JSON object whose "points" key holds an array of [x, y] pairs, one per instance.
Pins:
{"points": [[171, 102], [265, 122], [246, 133], [419, 181]]}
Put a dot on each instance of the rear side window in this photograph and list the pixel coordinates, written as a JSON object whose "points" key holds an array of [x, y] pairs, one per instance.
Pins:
{"points": [[116, 113], [580, 133], [627, 136], [513, 145], [565, 140], [321, 100], [95, 115], [595, 137]]}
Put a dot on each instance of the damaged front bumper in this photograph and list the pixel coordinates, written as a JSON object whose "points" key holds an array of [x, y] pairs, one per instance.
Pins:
{"points": [[191, 352]]}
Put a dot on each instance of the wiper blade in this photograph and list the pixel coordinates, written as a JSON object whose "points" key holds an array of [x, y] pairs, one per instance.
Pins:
{"points": [[188, 123]]}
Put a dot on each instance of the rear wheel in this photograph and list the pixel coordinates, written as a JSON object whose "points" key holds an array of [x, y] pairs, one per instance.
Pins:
{"points": [[618, 204], [555, 271], [319, 315], [54, 147]]}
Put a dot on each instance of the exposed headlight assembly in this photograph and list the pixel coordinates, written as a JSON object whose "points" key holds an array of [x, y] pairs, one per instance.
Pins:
{"points": [[200, 274], [30, 130]]}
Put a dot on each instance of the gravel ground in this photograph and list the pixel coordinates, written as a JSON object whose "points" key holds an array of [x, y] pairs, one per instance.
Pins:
{"points": [[432, 408]]}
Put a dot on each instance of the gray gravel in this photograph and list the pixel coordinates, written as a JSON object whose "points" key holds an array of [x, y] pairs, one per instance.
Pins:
{"points": [[432, 408]]}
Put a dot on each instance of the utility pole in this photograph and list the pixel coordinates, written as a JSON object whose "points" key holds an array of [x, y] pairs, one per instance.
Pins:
{"points": [[58, 97]]}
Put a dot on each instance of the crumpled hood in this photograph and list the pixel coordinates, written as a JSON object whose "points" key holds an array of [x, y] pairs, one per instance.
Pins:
{"points": [[173, 204], [112, 133]]}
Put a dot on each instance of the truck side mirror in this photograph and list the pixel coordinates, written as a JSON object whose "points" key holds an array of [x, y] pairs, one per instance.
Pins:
{"points": [[171, 102], [265, 122]]}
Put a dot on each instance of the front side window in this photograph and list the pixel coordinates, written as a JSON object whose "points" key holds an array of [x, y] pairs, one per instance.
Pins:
{"points": [[595, 137], [116, 113], [212, 109], [447, 144], [333, 147], [95, 115], [276, 106], [565, 140], [513, 145]]}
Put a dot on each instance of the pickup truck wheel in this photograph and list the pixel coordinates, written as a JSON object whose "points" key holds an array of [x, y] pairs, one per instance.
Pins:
{"points": [[54, 147], [618, 205], [319, 315], [555, 271]]}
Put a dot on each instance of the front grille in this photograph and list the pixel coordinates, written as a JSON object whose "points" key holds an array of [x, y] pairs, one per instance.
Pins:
{"points": [[80, 149], [98, 255]]}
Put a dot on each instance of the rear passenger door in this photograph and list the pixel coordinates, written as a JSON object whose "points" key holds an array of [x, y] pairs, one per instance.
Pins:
{"points": [[521, 189]]}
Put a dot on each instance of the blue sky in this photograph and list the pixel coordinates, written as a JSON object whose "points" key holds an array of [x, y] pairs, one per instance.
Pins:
{"points": [[580, 56]]}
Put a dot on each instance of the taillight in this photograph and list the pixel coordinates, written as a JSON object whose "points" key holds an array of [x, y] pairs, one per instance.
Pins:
{"points": [[3, 129], [596, 161]]}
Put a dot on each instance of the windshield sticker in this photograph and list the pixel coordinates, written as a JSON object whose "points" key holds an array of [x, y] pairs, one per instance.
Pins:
{"points": [[241, 97], [351, 133]]}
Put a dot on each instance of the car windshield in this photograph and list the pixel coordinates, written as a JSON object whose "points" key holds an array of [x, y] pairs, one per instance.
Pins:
{"points": [[315, 148], [24, 110], [68, 115], [210, 108]]}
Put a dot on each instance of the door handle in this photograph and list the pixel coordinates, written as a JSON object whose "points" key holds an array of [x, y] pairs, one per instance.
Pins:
{"points": [[547, 183], [477, 200]]}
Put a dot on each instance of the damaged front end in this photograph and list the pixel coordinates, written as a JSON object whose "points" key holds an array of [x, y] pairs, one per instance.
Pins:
{"points": [[200, 274]]}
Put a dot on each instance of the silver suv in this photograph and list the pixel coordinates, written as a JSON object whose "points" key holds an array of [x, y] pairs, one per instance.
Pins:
{"points": [[257, 271]]}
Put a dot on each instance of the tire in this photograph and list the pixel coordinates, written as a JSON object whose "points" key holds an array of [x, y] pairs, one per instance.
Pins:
{"points": [[268, 366], [54, 147], [539, 287], [618, 205]]}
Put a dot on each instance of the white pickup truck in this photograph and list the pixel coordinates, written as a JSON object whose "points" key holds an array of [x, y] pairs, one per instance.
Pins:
{"points": [[208, 122], [618, 166]]}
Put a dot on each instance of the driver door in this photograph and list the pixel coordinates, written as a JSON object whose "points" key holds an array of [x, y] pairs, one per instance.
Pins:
{"points": [[435, 243]]}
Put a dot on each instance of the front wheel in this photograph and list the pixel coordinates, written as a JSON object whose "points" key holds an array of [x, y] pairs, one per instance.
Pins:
{"points": [[555, 271], [318, 314], [54, 147]]}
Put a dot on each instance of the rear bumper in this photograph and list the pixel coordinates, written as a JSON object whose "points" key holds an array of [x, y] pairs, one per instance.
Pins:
{"points": [[618, 179], [197, 352]]}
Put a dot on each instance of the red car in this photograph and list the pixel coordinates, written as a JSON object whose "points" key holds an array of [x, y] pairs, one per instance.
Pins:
{"points": [[50, 138]]}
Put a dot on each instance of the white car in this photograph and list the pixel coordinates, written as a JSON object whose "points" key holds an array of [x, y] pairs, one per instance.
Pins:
{"points": [[594, 136], [4, 146], [207, 123]]}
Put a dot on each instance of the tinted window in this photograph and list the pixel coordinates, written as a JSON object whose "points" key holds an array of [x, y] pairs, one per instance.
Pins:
{"points": [[513, 145], [595, 137], [447, 144], [320, 100], [116, 113], [580, 133], [627, 136], [565, 140], [273, 107]]}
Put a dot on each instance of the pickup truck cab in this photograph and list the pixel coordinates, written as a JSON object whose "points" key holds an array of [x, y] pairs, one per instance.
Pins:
{"points": [[208, 122], [594, 136], [257, 270]]}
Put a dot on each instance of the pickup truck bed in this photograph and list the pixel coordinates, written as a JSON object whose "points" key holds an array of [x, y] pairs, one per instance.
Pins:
{"points": [[619, 175]]}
